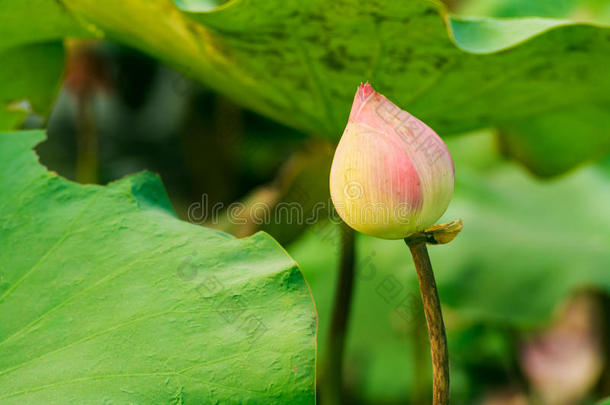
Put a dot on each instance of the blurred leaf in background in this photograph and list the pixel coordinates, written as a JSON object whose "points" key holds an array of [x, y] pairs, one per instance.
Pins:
{"points": [[30, 79], [407, 53], [31, 56], [593, 11]]}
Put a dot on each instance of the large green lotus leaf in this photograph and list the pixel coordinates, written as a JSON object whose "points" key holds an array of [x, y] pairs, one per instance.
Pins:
{"points": [[106, 297], [300, 63], [525, 246], [29, 75]]}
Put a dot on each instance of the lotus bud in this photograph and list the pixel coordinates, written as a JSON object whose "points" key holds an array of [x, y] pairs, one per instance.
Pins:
{"points": [[392, 175]]}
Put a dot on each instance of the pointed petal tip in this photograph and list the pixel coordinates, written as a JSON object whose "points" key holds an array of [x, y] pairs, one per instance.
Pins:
{"points": [[365, 90]]}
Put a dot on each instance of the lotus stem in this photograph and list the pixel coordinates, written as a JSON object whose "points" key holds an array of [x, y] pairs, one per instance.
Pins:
{"points": [[434, 319], [333, 392]]}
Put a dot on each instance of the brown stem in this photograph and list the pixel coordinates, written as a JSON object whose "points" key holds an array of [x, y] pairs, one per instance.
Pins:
{"points": [[333, 389], [434, 319]]}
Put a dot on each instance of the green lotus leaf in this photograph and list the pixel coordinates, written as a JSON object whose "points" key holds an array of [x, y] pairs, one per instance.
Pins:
{"points": [[106, 297]]}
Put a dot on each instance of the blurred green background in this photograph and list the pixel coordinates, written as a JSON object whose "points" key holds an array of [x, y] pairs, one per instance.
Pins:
{"points": [[525, 287]]}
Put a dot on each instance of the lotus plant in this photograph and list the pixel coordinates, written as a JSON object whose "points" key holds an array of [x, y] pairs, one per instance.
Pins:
{"points": [[392, 177]]}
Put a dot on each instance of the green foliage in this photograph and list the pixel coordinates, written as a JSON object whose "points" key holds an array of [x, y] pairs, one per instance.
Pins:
{"points": [[36, 21], [300, 64], [30, 69], [106, 297], [104, 294], [29, 76], [597, 11], [526, 245]]}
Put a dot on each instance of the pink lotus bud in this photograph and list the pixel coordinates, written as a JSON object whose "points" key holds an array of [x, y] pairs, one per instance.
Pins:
{"points": [[392, 175]]}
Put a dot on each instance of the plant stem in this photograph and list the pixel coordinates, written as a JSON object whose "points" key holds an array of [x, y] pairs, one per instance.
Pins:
{"points": [[434, 319], [333, 389]]}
